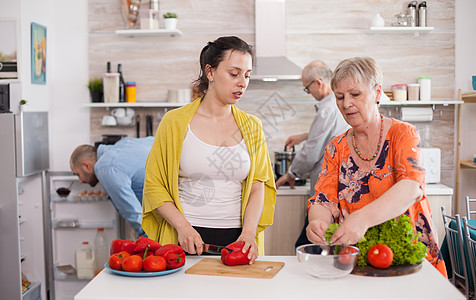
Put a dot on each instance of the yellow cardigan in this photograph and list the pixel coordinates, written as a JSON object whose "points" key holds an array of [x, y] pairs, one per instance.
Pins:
{"points": [[162, 168]]}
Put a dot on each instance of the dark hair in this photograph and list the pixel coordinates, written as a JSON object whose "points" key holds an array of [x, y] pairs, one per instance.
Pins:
{"points": [[214, 53]]}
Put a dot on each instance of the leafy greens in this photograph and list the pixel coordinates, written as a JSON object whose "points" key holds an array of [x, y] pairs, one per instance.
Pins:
{"points": [[399, 235]]}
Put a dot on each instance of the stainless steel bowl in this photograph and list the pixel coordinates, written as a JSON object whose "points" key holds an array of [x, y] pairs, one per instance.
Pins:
{"points": [[325, 261]]}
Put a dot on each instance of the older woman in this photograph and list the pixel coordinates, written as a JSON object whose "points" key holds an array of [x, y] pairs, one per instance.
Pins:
{"points": [[372, 172]]}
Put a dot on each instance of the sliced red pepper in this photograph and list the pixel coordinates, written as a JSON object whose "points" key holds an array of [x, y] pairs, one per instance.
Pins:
{"points": [[233, 255], [173, 254]]}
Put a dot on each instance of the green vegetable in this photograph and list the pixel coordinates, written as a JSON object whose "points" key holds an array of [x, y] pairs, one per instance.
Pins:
{"points": [[399, 235], [330, 231]]}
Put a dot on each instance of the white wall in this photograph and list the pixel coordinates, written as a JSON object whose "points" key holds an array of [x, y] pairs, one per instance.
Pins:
{"points": [[465, 65], [69, 119], [65, 90]]}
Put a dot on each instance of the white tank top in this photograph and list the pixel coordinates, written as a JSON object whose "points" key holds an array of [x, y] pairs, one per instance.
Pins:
{"points": [[210, 182]]}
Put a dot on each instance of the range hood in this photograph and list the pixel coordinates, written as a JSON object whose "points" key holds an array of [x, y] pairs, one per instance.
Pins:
{"points": [[271, 63]]}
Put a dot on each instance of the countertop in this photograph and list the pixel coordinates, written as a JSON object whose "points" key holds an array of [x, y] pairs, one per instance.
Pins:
{"points": [[432, 189], [291, 282]]}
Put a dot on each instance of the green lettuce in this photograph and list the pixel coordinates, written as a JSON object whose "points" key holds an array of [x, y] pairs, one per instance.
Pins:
{"points": [[399, 235], [330, 231]]}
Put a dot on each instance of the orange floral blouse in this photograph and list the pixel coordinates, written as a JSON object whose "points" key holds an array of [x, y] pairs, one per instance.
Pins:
{"points": [[343, 188]]}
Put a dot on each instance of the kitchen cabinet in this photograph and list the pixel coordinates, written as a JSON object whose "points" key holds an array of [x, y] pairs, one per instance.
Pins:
{"points": [[461, 164], [74, 218], [289, 215], [439, 195]]}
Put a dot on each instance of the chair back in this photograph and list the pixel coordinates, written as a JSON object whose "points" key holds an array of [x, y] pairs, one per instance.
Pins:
{"points": [[469, 206], [454, 237], [471, 246]]}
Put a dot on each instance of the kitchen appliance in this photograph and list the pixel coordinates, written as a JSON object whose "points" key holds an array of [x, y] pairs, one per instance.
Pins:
{"points": [[282, 162], [4, 98], [432, 163], [23, 160], [271, 63], [109, 139]]}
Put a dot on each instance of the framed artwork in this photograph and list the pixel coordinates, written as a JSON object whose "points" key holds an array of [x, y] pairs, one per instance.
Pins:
{"points": [[8, 49], [38, 53]]}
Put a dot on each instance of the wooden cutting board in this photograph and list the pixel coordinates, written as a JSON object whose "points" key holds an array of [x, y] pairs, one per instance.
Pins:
{"points": [[214, 266], [390, 271]]}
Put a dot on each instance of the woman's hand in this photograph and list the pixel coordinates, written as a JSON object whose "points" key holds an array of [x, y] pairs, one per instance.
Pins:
{"points": [[315, 231], [250, 244], [351, 230], [190, 240]]}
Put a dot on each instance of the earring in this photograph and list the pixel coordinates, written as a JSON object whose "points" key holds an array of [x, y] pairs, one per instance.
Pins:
{"points": [[378, 102]]}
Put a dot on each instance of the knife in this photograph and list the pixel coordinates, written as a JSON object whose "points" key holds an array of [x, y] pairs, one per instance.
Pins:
{"points": [[214, 249]]}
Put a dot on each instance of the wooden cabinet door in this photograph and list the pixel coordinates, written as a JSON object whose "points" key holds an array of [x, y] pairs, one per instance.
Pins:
{"points": [[289, 215]]}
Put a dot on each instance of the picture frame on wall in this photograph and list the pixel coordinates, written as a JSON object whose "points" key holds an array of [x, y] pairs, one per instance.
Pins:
{"points": [[38, 53], [8, 49]]}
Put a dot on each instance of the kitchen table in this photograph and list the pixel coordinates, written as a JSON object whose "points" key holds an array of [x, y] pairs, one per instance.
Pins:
{"points": [[291, 282]]}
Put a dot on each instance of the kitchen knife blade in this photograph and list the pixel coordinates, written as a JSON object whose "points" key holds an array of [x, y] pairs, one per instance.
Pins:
{"points": [[214, 249]]}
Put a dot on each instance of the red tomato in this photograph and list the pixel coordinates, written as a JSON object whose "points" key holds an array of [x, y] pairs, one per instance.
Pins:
{"points": [[115, 261], [154, 264], [132, 263], [345, 260], [380, 256]]}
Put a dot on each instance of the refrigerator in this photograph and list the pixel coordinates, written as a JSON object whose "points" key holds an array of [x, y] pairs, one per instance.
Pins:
{"points": [[24, 159], [75, 212]]}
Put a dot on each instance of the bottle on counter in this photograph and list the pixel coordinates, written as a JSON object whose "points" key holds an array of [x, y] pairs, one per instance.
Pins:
{"points": [[422, 14], [85, 262], [122, 85], [100, 250], [412, 13]]}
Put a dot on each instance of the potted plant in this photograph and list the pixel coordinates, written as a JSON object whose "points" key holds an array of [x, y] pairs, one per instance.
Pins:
{"points": [[95, 87], [170, 20], [22, 104]]}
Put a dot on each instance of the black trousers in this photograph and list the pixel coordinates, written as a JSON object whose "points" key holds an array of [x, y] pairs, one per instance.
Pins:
{"points": [[302, 239], [218, 236]]}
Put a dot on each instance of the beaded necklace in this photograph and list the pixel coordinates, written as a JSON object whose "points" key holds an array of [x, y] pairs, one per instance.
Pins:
{"points": [[378, 146]]}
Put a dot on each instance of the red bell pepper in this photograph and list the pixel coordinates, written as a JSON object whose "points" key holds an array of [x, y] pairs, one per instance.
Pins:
{"points": [[173, 254], [142, 243], [118, 245], [233, 255]]}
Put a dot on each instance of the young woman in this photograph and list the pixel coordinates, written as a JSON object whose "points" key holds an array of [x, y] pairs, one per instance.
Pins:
{"points": [[208, 176]]}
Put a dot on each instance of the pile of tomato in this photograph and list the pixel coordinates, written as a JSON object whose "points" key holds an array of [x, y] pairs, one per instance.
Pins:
{"points": [[145, 255]]}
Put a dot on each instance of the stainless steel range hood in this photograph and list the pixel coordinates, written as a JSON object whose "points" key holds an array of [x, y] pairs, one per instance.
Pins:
{"points": [[271, 63]]}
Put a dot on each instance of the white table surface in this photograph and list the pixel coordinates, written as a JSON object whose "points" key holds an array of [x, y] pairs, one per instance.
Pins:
{"points": [[289, 283]]}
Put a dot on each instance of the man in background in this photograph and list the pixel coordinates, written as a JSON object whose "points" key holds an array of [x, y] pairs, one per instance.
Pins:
{"points": [[328, 123], [120, 168]]}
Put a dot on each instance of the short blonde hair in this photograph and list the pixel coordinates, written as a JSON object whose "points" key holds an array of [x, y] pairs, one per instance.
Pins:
{"points": [[361, 69]]}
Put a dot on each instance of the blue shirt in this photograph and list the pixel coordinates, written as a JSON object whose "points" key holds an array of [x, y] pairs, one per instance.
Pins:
{"points": [[120, 168]]}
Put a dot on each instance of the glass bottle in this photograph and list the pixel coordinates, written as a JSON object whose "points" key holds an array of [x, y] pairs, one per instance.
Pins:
{"points": [[122, 85]]}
